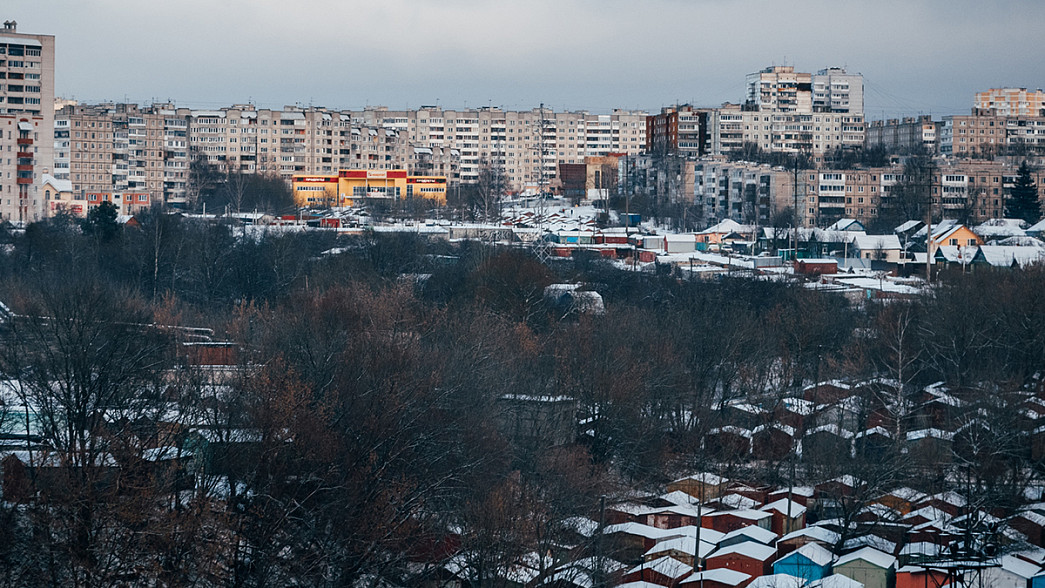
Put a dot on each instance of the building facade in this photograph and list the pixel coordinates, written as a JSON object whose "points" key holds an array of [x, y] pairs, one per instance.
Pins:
{"points": [[904, 136], [1011, 102], [986, 135], [349, 186], [26, 122]]}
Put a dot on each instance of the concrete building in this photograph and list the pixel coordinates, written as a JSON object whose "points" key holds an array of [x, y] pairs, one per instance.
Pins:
{"points": [[26, 122], [678, 129], [904, 136], [986, 135], [836, 90], [733, 126], [779, 88], [744, 192], [1011, 102], [527, 145]]}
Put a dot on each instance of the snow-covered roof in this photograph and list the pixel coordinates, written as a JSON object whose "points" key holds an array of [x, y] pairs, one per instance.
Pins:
{"points": [[908, 494], [1019, 567], [816, 533], [814, 553], [876, 242], [836, 581], [930, 433], [1007, 255], [781, 506], [737, 501], [754, 532], [871, 541], [727, 226], [683, 545], [845, 224], [743, 513], [721, 575], [907, 226], [751, 549], [60, 185], [1001, 227], [640, 530], [777, 581], [870, 555], [666, 565]]}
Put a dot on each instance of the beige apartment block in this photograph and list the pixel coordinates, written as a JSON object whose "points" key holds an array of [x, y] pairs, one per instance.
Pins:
{"points": [[26, 122], [1011, 102], [527, 145], [980, 135]]}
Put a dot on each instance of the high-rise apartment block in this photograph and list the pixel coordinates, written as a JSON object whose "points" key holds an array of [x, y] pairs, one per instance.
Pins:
{"points": [[1011, 102], [26, 122]]}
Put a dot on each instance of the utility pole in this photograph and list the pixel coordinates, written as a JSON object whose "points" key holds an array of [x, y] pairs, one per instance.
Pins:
{"points": [[794, 229], [929, 226]]}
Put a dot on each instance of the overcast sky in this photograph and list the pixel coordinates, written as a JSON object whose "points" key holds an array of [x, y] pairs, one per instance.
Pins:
{"points": [[917, 56]]}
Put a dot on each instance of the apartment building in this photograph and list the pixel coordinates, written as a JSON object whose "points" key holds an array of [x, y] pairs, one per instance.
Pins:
{"points": [[836, 90], [745, 192], [678, 129], [527, 145], [789, 111], [968, 190], [26, 122], [984, 135], [1011, 102], [780, 88], [813, 132], [904, 136], [111, 152]]}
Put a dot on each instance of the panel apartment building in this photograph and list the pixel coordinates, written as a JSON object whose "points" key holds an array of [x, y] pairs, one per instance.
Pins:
{"points": [[783, 111], [528, 145], [120, 148], [26, 122]]}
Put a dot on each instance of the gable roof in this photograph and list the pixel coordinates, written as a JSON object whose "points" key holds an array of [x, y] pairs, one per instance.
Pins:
{"points": [[869, 555], [751, 549], [781, 506], [721, 575], [666, 565], [777, 581], [813, 552], [753, 532], [875, 242], [836, 581]]}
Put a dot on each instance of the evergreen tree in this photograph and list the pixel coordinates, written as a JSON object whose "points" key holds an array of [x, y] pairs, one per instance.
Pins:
{"points": [[1023, 198]]}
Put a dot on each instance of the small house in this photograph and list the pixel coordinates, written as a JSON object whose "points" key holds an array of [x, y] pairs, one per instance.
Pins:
{"points": [[870, 567], [810, 562]]}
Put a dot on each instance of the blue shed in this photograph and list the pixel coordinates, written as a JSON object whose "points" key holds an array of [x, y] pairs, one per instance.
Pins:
{"points": [[811, 562]]}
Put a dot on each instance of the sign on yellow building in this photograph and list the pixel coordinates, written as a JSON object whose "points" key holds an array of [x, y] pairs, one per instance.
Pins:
{"points": [[351, 185]]}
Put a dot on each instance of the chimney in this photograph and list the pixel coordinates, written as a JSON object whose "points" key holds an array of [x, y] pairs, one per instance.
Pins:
{"points": [[10, 26]]}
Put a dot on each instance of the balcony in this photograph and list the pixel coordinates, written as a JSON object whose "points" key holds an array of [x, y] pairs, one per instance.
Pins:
{"points": [[24, 141]]}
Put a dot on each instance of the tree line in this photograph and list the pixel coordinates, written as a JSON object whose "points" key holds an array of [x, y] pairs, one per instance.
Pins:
{"points": [[360, 430]]}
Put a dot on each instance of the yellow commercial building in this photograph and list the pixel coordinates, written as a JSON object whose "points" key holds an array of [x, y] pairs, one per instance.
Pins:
{"points": [[351, 185]]}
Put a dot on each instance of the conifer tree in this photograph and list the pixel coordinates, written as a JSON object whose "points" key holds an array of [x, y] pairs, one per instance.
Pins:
{"points": [[1023, 200]]}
